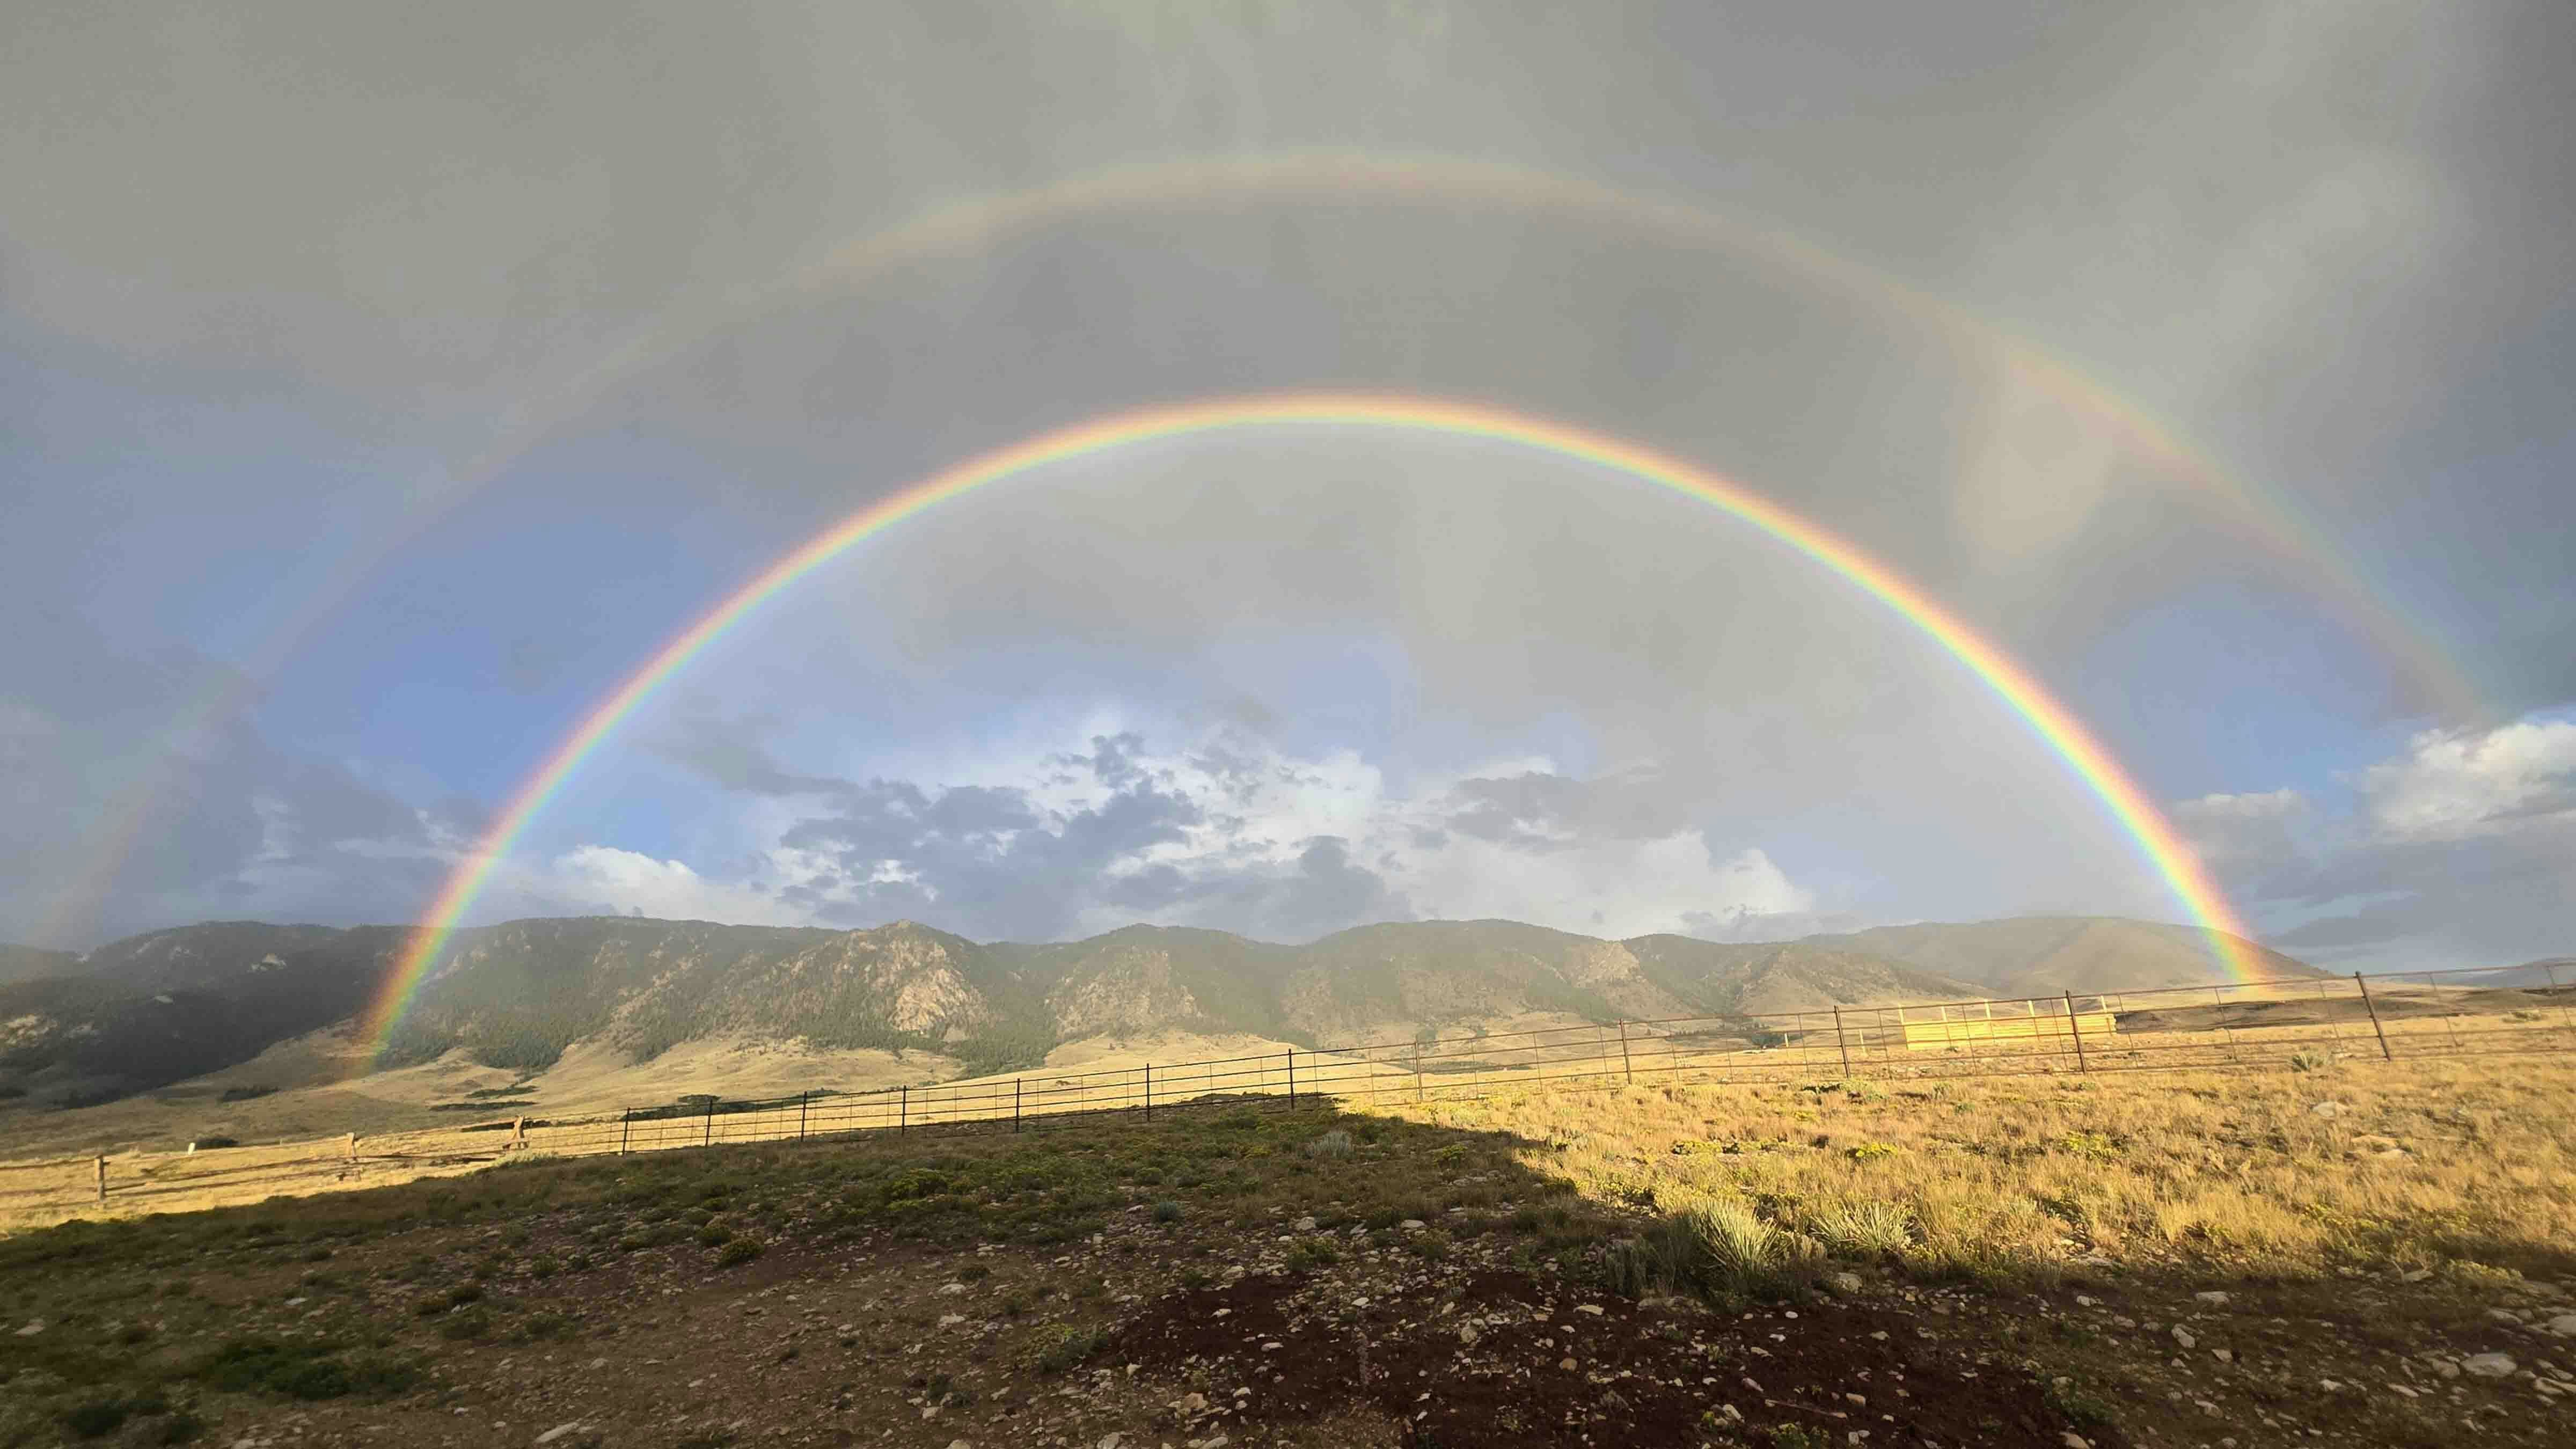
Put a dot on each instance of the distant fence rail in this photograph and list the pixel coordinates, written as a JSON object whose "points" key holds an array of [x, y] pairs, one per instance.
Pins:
{"points": [[2273, 1022]]}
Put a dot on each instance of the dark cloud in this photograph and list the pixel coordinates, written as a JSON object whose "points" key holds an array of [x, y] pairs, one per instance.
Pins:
{"points": [[116, 824]]}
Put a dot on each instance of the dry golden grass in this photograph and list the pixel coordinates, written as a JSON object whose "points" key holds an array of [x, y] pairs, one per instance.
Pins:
{"points": [[2363, 1165]]}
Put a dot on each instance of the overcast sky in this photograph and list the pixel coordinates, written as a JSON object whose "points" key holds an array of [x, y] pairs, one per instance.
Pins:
{"points": [[381, 385]]}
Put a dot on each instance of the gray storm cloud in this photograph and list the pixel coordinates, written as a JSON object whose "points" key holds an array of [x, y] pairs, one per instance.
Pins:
{"points": [[443, 240]]}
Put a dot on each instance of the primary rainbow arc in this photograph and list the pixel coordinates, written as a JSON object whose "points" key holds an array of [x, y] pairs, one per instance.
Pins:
{"points": [[2058, 727]]}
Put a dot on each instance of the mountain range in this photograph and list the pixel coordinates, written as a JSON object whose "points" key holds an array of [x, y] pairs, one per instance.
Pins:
{"points": [[173, 1004]]}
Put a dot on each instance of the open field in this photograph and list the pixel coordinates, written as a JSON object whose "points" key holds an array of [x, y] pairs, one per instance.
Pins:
{"points": [[453, 1115], [1993, 1261]]}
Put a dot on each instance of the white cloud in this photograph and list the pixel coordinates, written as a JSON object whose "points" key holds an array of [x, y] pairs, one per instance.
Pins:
{"points": [[2450, 785], [2249, 830]]}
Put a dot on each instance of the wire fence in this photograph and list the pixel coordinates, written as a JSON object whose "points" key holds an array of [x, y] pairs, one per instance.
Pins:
{"points": [[2287, 1021]]}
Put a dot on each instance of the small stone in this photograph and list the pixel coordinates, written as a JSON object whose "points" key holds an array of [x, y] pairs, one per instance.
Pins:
{"points": [[1111, 1441], [2489, 1365], [2564, 1325], [1190, 1404], [1592, 1308], [1468, 1335], [1846, 1284], [558, 1431], [1271, 1347], [1304, 1225], [2072, 1440], [952, 1289], [2214, 1299], [2222, 1355], [2084, 1301], [2182, 1336], [34, 1326], [1730, 1413], [2327, 1110], [2416, 1275], [1566, 1364], [1413, 1225], [951, 1320]]}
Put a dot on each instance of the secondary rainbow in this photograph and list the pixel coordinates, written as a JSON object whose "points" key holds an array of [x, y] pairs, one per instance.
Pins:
{"points": [[2172, 859]]}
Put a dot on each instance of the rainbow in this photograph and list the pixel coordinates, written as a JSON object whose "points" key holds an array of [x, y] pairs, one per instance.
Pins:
{"points": [[2050, 720], [960, 226]]}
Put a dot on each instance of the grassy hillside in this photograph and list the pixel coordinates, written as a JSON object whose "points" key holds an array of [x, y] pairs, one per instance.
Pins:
{"points": [[2043, 955]]}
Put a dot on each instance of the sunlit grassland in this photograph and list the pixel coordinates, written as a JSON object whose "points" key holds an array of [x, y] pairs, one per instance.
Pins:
{"points": [[2456, 1166]]}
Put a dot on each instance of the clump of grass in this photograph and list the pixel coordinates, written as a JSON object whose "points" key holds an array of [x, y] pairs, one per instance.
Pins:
{"points": [[737, 1251], [1871, 1151], [1167, 1212], [2310, 1060], [1070, 1345], [1331, 1145], [1865, 1229]]}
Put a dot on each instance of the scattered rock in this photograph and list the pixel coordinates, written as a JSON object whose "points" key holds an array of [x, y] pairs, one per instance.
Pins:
{"points": [[2564, 1325], [34, 1326], [2416, 1275], [2489, 1365], [1468, 1335], [2213, 1298], [1413, 1225], [1847, 1284], [2073, 1440], [1592, 1308], [2327, 1110], [558, 1431], [2182, 1336], [1304, 1225]]}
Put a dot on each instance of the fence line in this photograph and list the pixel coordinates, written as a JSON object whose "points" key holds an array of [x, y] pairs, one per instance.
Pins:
{"points": [[2415, 1015]]}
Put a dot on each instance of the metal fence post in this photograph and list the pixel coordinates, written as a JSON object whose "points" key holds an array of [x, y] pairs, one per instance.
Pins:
{"points": [[709, 1136], [1015, 1104], [2368, 1005], [1417, 1068], [1292, 1079], [2075, 1029], [1841, 1045], [1627, 1066], [903, 1110], [625, 1128], [1149, 1091], [802, 1099]]}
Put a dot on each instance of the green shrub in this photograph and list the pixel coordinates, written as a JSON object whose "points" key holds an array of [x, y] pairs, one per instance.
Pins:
{"points": [[1167, 1212], [2310, 1060], [738, 1251]]}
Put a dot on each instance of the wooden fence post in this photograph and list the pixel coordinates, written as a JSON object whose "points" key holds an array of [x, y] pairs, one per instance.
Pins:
{"points": [[1840, 1045], [2368, 1005], [903, 1110], [1627, 1067], [625, 1128], [518, 1132], [707, 1136], [353, 1147], [1292, 1079], [1417, 1068], [2075, 1029], [802, 1098], [101, 1163], [1015, 1104], [1149, 1091]]}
